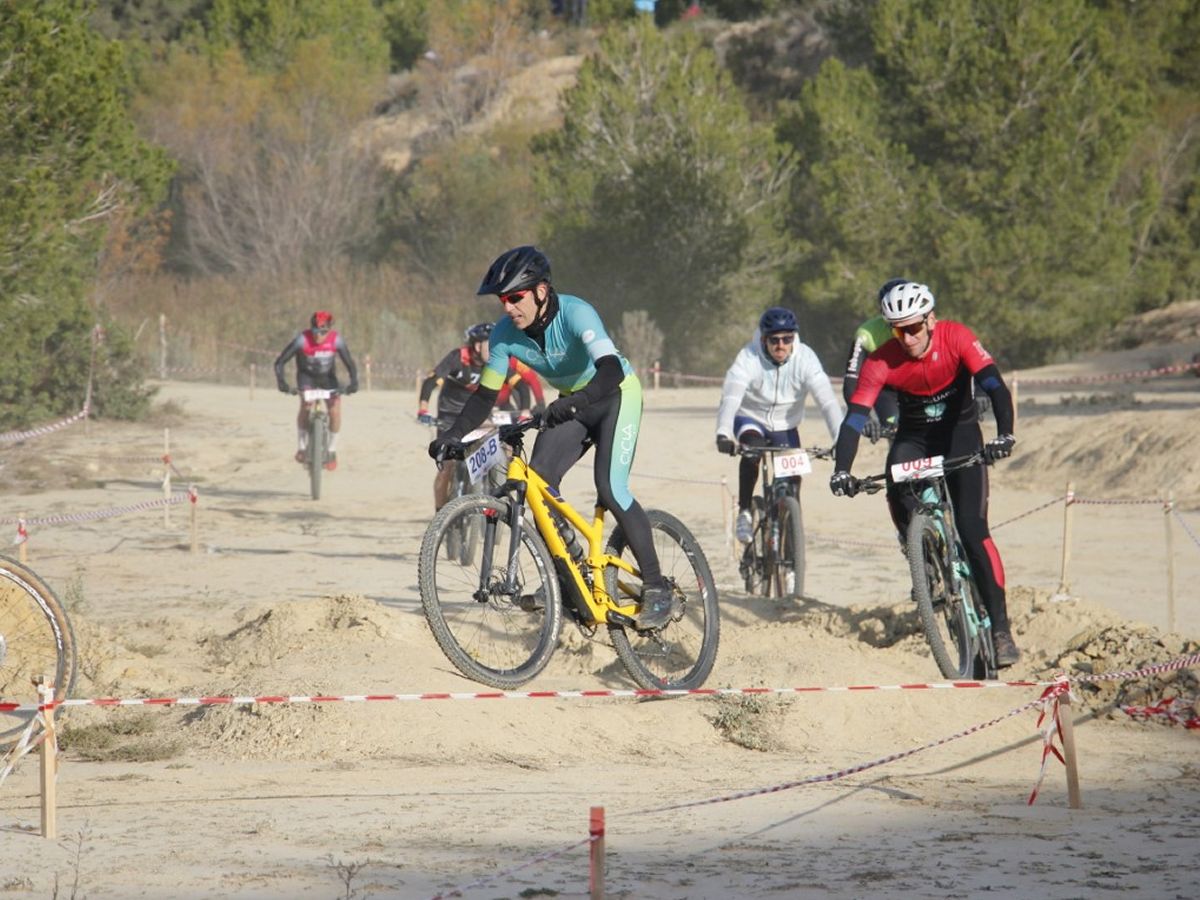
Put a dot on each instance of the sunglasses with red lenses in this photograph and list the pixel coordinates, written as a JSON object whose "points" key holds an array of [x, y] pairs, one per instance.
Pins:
{"points": [[911, 329], [514, 297]]}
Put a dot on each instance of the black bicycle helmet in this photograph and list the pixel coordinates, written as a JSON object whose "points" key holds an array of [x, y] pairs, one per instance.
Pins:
{"points": [[777, 319], [478, 334], [516, 270]]}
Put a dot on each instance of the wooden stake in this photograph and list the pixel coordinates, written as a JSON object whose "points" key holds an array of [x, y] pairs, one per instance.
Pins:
{"points": [[1168, 509], [162, 346], [367, 364], [596, 856], [193, 498], [1016, 395], [1064, 586], [49, 754], [253, 378], [657, 373], [1074, 798], [166, 485], [725, 512]]}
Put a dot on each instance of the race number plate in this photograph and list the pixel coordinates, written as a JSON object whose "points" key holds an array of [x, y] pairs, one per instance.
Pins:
{"points": [[488, 454], [312, 395], [501, 417], [792, 463], [916, 469]]}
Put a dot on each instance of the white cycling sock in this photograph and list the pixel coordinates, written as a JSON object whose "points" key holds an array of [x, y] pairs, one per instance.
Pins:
{"points": [[301, 438], [332, 441]]}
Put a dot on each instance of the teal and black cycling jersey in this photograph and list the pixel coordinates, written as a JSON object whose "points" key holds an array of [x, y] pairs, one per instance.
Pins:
{"points": [[573, 341]]}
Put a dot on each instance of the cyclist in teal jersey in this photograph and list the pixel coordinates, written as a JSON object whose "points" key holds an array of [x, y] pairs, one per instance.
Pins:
{"points": [[562, 338]]}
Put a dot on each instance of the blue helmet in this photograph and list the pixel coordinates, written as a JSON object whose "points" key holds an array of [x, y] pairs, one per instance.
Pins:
{"points": [[478, 334], [777, 319]]}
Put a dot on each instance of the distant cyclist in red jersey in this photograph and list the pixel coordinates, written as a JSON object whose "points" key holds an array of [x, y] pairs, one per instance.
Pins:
{"points": [[934, 368], [316, 351]]}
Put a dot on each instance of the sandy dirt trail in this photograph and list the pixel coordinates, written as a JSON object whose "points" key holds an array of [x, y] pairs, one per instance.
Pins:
{"points": [[292, 597]]}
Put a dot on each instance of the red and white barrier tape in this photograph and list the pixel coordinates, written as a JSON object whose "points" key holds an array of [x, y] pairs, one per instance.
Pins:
{"points": [[26, 743], [11, 437], [189, 495], [1175, 710], [1049, 723], [1187, 528], [853, 770], [1036, 509], [1112, 376], [518, 695]]}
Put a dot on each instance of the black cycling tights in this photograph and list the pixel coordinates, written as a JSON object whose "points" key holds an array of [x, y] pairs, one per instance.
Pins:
{"points": [[559, 448], [969, 492]]}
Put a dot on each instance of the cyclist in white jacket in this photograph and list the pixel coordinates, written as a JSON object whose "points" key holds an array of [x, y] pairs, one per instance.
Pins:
{"points": [[762, 400]]}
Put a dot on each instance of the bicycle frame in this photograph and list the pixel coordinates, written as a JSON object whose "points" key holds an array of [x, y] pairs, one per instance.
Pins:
{"points": [[933, 497], [593, 602]]}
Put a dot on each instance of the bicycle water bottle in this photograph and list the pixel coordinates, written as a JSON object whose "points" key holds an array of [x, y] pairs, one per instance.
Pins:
{"points": [[567, 533]]}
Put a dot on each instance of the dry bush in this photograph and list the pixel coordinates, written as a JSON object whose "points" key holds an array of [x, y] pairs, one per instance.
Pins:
{"points": [[639, 340]]}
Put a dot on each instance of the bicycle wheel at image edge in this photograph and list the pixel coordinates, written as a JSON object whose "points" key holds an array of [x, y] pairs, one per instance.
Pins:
{"points": [[318, 440], [36, 638], [504, 635], [681, 654], [789, 556], [943, 618]]}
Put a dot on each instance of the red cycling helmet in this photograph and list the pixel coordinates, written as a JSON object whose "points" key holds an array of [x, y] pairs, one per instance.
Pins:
{"points": [[321, 319]]}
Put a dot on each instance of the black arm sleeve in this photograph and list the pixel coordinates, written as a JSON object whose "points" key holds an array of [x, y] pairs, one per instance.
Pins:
{"points": [[993, 384], [343, 351], [281, 360], [858, 353], [607, 379], [427, 387], [848, 437], [473, 414]]}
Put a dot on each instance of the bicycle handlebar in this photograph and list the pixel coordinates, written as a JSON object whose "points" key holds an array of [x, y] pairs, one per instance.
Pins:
{"points": [[873, 483], [758, 451]]}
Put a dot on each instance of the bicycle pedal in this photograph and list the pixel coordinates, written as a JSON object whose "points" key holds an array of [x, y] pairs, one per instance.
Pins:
{"points": [[616, 618], [530, 602]]}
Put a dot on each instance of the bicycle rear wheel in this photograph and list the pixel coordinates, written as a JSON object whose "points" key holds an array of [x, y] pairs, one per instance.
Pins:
{"points": [[456, 535], [943, 618], [503, 633], [36, 638], [680, 655], [318, 440], [789, 556], [754, 558]]}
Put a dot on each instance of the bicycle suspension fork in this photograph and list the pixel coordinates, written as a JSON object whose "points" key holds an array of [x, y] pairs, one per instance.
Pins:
{"points": [[490, 522]]}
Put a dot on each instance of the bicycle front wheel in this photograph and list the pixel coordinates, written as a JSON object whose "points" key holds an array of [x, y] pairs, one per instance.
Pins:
{"points": [[318, 440], [36, 638], [497, 627], [943, 618], [787, 577], [754, 557], [680, 655]]}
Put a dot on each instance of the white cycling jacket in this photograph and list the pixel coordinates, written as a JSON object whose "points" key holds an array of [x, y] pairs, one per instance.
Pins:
{"points": [[774, 395]]}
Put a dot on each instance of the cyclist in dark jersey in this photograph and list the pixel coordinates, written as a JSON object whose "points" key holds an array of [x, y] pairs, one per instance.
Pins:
{"points": [[457, 376], [562, 338], [934, 367], [316, 351]]}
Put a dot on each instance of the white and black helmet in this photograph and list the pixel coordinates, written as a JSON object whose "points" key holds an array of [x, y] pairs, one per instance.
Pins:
{"points": [[906, 301]]}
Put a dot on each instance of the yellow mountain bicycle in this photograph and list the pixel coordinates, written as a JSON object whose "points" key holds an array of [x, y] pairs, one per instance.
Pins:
{"points": [[497, 615]]}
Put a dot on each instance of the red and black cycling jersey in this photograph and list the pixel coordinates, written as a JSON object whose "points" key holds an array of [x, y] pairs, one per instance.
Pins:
{"points": [[935, 392], [316, 359], [458, 377]]}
